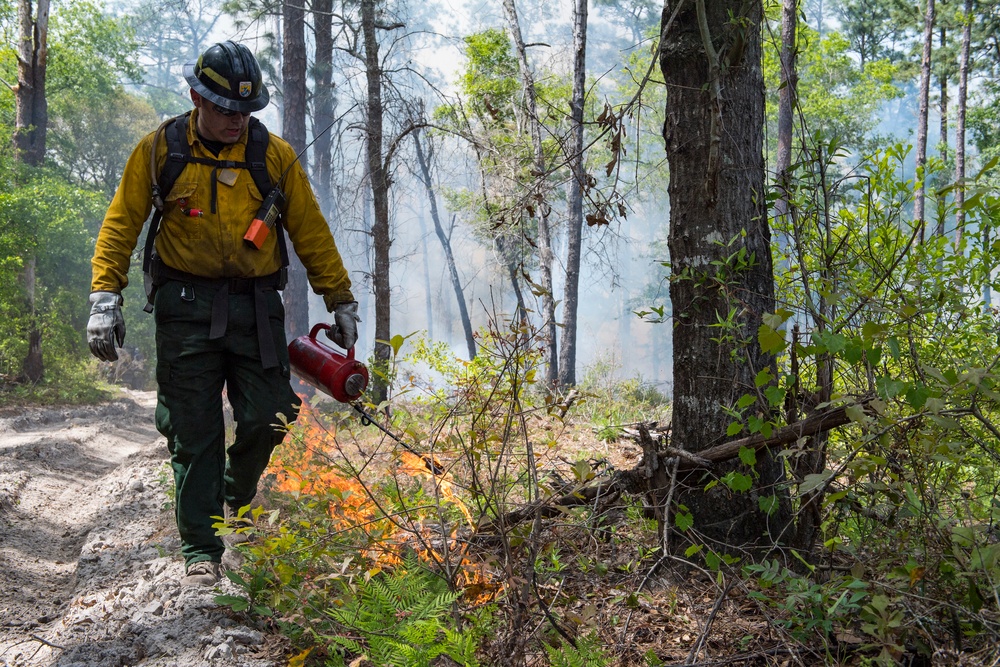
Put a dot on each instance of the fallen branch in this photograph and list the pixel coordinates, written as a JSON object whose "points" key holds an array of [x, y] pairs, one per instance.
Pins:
{"points": [[640, 480], [786, 435]]}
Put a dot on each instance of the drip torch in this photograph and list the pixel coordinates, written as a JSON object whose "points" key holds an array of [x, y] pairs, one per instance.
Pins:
{"points": [[342, 377]]}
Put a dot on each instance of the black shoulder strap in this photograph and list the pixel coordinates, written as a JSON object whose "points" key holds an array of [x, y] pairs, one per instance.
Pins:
{"points": [[256, 159]]}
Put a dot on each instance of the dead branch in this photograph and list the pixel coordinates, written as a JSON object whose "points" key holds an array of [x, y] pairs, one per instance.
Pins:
{"points": [[650, 475], [786, 435]]}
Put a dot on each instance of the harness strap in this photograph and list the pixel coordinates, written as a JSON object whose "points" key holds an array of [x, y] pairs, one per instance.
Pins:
{"points": [[174, 131], [220, 302]]}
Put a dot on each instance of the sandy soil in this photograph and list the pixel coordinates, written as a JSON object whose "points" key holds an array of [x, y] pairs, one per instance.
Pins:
{"points": [[89, 556]]}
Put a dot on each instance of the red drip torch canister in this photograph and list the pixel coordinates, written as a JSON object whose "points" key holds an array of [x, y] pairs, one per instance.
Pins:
{"points": [[326, 369]]}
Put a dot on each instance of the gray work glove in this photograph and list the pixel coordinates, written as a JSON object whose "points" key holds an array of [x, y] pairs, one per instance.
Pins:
{"points": [[344, 330], [106, 325]]}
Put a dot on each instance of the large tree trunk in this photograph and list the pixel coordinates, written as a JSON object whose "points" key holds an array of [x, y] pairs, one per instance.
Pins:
{"points": [[574, 227], [546, 259], [456, 282], [324, 102], [293, 121], [963, 95], [380, 196], [714, 140], [31, 124], [922, 112]]}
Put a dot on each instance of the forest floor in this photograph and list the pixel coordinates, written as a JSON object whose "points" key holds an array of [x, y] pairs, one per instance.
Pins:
{"points": [[89, 555], [90, 566]]}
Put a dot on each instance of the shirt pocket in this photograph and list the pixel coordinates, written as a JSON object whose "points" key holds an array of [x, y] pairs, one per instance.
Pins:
{"points": [[183, 198]]}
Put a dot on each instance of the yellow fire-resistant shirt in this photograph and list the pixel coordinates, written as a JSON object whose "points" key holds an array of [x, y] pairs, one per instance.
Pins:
{"points": [[212, 246]]}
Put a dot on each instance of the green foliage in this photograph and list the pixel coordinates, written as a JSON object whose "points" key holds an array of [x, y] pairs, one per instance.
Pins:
{"points": [[835, 95], [610, 403], [402, 618], [808, 609], [588, 652], [490, 80]]}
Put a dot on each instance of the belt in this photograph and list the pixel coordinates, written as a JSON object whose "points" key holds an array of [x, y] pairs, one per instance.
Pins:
{"points": [[220, 303]]}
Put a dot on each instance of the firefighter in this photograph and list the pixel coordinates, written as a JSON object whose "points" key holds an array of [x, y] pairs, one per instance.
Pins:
{"points": [[215, 297]]}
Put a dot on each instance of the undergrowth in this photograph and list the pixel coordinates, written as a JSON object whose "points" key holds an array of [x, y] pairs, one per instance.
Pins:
{"points": [[417, 554]]}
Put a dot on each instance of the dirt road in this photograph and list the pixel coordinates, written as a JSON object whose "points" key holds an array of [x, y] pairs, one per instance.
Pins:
{"points": [[89, 556]]}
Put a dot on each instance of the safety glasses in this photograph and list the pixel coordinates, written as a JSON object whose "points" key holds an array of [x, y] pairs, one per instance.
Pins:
{"points": [[227, 112]]}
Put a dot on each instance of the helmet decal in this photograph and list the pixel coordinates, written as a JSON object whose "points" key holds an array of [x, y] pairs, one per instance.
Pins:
{"points": [[246, 87]]}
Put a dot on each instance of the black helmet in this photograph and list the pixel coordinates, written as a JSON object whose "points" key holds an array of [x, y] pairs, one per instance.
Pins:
{"points": [[228, 75]]}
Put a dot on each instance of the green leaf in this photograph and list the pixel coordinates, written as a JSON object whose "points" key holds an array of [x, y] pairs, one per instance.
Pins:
{"points": [[775, 396], [737, 481], [834, 343], [916, 395], [763, 378], [772, 341], [813, 481], [768, 504], [854, 352], [692, 550], [683, 520], [734, 428], [235, 602], [888, 388], [748, 456], [893, 344], [855, 413], [746, 400]]}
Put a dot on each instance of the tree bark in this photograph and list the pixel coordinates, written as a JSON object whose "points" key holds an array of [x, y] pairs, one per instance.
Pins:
{"points": [[545, 255], [456, 282], [31, 125], [574, 226], [325, 101], [32, 112], [787, 99], [922, 112], [380, 196], [717, 216], [293, 121], [963, 95]]}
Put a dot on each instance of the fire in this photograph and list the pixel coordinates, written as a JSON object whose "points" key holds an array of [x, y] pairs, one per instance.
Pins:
{"points": [[311, 463]]}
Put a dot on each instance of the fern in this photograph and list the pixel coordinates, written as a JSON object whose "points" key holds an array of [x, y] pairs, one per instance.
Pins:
{"points": [[401, 619], [587, 653]]}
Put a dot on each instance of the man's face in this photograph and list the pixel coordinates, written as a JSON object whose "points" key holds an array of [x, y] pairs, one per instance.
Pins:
{"points": [[214, 125]]}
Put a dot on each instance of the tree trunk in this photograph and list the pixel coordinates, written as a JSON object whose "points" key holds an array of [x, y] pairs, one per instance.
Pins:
{"points": [[31, 124], [717, 216], [786, 109], [32, 113], [293, 121], [924, 105], [324, 102], [380, 196], [963, 95], [574, 227], [33, 368], [545, 256], [943, 131], [456, 282], [507, 254]]}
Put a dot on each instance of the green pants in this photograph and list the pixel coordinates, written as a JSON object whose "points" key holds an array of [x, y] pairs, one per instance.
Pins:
{"points": [[191, 372]]}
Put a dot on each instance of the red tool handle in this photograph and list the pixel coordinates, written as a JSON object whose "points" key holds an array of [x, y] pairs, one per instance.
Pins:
{"points": [[319, 327]]}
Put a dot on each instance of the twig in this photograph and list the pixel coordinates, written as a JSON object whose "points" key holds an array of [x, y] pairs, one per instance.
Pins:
{"points": [[696, 649], [47, 642]]}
